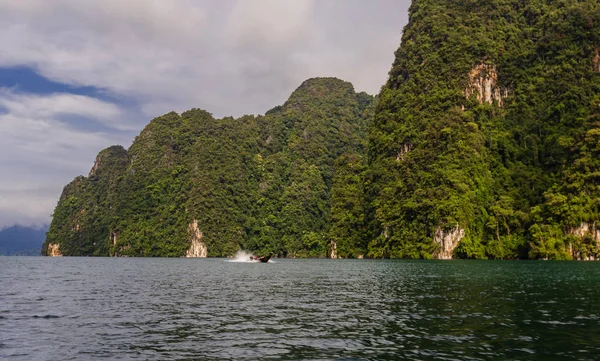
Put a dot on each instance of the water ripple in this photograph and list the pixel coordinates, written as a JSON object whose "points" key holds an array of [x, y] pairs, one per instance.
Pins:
{"points": [[211, 309]]}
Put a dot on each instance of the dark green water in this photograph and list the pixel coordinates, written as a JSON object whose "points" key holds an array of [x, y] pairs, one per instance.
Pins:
{"points": [[211, 309]]}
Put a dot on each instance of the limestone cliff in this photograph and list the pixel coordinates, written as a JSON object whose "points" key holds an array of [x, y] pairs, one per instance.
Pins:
{"points": [[483, 84], [483, 143], [54, 250], [489, 119], [588, 245], [195, 186], [333, 250], [197, 248], [447, 242]]}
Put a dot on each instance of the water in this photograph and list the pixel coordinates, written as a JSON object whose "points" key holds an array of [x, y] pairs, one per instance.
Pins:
{"points": [[211, 309]]}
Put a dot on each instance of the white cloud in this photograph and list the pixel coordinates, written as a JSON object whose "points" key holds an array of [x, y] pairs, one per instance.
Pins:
{"points": [[40, 153], [28, 207], [147, 19], [262, 24], [229, 57], [38, 106]]}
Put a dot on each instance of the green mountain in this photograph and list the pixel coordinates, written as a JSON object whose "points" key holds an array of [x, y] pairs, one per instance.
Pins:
{"points": [[194, 185], [485, 142]]}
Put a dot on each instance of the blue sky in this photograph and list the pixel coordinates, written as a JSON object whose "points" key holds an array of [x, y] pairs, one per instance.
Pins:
{"points": [[78, 76], [25, 79]]}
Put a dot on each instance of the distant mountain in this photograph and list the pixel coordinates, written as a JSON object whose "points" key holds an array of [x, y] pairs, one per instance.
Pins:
{"points": [[22, 241]]}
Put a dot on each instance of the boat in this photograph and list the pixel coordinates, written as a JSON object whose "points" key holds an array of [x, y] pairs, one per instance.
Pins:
{"points": [[263, 259]]}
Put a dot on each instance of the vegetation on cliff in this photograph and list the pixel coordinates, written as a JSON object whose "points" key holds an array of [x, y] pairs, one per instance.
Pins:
{"points": [[261, 183], [485, 138], [484, 143]]}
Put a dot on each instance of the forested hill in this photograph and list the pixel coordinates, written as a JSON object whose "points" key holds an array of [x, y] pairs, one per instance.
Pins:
{"points": [[194, 185], [484, 143], [486, 138]]}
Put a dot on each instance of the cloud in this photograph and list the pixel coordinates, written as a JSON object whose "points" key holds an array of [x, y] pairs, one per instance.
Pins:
{"points": [[35, 211], [37, 107], [229, 57], [40, 152], [134, 48], [149, 57], [261, 25]]}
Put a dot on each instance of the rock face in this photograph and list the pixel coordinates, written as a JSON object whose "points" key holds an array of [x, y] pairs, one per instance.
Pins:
{"points": [[447, 242], [483, 83], [97, 164], [197, 248], [333, 253], [585, 230], [404, 149], [54, 250]]}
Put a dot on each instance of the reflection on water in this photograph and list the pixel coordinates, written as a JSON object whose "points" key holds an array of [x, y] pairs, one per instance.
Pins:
{"points": [[211, 309]]}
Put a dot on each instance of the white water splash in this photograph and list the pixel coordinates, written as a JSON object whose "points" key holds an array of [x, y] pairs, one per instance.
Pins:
{"points": [[242, 256]]}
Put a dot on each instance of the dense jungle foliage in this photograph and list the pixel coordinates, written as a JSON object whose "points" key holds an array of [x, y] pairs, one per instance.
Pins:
{"points": [[256, 183], [484, 143], [489, 122]]}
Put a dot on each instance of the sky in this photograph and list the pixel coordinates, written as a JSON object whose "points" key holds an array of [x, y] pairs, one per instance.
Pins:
{"points": [[77, 76]]}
